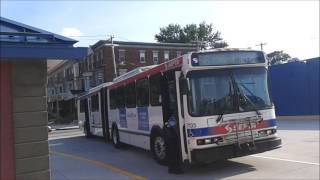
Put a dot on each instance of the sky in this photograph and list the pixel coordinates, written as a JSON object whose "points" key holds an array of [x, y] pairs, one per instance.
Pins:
{"points": [[291, 26]]}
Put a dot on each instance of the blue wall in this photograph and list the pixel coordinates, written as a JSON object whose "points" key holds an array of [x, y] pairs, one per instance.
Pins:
{"points": [[295, 88]]}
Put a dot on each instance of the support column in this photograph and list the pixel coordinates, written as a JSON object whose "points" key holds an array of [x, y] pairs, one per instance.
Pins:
{"points": [[7, 151]]}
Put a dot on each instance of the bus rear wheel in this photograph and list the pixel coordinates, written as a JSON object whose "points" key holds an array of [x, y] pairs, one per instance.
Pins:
{"points": [[115, 137], [158, 148]]}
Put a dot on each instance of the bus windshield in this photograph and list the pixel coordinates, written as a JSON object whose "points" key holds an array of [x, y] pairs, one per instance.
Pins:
{"points": [[214, 92]]}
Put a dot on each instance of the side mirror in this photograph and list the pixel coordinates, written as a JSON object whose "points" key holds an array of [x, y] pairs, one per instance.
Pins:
{"points": [[183, 83]]}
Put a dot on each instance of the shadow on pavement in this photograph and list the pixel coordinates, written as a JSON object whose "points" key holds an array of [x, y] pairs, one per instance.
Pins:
{"points": [[139, 161]]}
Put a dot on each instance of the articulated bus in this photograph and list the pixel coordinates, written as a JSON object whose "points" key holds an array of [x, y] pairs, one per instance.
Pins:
{"points": [[219, 98]]}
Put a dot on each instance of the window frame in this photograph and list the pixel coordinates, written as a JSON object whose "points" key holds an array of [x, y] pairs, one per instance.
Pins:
{"points": [[142, 52], [153, 57], [164, 56], [141, 93], [155, 81], [130, 91]]}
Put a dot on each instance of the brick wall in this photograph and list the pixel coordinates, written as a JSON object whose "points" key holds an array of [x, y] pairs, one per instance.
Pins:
{"points": [[132, 57], [30, 119]]}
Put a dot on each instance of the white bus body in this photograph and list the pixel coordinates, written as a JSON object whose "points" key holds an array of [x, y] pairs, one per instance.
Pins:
{"points": [[220, 99]]}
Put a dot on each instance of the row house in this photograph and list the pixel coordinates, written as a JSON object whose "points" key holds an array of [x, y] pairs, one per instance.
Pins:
{"points": [[63, 82]]}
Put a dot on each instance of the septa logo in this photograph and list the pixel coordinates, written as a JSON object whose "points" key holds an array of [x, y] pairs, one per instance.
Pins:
{"points": [[195, 60]]}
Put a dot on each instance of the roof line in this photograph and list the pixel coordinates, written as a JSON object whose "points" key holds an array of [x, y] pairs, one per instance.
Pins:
{"points": [[37, 29]]}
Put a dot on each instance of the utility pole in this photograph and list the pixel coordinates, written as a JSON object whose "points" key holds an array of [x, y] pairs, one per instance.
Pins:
{"points": [[113, 57], [261, 45]]}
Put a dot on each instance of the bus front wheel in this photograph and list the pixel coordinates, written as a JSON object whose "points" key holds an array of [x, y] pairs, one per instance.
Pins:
{"points": [[115, 137], [158, 148]]}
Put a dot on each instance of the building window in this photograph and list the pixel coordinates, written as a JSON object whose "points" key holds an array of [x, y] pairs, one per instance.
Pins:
{"points": [[155, 57], [91, 61], [142, 56], [101, 57], [166, 56], [122, 56], [178, 53], [122, 71]]}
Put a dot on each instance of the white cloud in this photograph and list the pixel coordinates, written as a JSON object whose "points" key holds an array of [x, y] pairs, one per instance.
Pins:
{"points": [[71, 32]]}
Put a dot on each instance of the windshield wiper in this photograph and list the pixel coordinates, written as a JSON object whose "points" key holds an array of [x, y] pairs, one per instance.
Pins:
{"points": [[219, 118], [239, 92]]}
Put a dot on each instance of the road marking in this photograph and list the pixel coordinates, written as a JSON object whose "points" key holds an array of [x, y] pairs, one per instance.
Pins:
{"points": [[288, 160], [100, 164]]}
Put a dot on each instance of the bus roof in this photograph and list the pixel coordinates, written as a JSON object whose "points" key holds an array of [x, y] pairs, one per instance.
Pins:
{"points": [[148, 71]]}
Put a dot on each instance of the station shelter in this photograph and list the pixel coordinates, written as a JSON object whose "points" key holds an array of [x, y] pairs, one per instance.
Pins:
{"points": [[24, 51]]}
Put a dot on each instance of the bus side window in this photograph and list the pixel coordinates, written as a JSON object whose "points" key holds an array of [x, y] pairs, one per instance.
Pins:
{"points": [[155, 90], [113, 100], [120, 97], [142, 88], [130, 95], [95, 103]]}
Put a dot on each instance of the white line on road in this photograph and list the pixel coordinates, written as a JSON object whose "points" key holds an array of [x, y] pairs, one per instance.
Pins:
{"points": [[288, 160]]}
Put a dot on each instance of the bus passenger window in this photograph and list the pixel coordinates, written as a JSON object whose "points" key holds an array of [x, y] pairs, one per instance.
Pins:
{"points": [[155, 91], [142, 88], [113, 100], [82, 105], [95, 103], [120, 97], [131, 95]]}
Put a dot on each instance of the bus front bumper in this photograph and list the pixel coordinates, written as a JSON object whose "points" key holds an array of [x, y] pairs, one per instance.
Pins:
{"points": [[231, 151]]}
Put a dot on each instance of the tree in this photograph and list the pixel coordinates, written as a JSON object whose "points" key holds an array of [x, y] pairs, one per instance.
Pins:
{"points": [[277, 57], [191, 33]]}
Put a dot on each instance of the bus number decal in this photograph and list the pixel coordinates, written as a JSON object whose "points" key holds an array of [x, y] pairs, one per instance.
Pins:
{"points": [[143, 119], [123, 117]]}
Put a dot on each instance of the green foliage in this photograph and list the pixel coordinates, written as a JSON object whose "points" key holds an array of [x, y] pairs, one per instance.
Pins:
{"points": [[191, 33], [278, 57]]}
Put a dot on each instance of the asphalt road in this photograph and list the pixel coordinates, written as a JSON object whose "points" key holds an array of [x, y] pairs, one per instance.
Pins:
{"points": [[75, 157]]}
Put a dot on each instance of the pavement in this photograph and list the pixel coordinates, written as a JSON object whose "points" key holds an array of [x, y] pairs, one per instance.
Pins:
{"points": [[73, 156]]}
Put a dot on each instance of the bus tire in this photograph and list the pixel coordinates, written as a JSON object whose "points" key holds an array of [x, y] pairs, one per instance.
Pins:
{"points": [[115, 137], [158, 148]]}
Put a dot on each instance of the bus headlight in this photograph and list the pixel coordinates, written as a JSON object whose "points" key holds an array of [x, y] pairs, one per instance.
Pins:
{"points": [[209, 140], [267, 132]]}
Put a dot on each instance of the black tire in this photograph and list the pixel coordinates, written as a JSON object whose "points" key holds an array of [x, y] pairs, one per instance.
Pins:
{"points": [[158, 147], [87, 130], [115, 137]]}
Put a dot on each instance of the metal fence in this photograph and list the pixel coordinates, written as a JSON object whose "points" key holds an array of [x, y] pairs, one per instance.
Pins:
{"points": [[295, 87]]}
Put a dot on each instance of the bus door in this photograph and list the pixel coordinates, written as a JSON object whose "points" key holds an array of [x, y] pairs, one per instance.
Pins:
{"points": [[182, 121], [104, 113]]}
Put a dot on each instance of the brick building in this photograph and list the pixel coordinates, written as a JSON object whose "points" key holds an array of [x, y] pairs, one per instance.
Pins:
{"points": [[98, 66]]}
